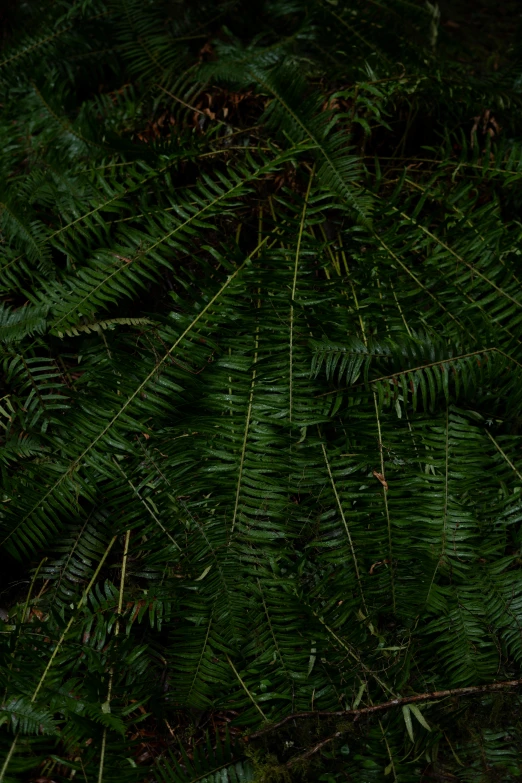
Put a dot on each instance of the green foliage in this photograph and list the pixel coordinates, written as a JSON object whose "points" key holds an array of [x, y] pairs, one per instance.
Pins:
{"points": [[260, 329], [212, 764]]}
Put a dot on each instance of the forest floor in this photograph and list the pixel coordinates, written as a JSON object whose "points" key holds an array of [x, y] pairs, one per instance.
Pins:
{"points": [[481, 31]]}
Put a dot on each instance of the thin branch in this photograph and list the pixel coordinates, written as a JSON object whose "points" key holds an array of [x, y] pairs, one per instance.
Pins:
{"points": [[398, 702], [313, 750]]}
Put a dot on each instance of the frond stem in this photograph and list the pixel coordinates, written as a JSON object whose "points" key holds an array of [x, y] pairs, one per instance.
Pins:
{"points": [[445, 512], [58, 645], [416, 279], [385, 498], [149, 509], [76, 463], [423, 367], [345, 523], [254, 702], [116, 634], [473, 269], [490, 436], [294, 285], [79, 605]]}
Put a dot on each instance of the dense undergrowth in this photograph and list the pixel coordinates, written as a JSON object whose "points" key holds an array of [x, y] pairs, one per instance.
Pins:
{"points": [[261, 333]]}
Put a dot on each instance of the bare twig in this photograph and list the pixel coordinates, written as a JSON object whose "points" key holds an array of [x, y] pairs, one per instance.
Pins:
{"points": [[310, 752], [356, 714], [313, 750]]}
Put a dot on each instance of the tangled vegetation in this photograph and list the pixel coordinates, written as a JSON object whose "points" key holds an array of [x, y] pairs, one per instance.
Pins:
{"points": [[261, 332]]}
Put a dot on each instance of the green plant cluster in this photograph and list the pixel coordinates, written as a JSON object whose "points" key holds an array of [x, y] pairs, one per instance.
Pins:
{"points": [[261, 398]]}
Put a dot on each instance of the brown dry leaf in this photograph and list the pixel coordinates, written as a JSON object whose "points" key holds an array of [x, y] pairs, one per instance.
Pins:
{"points": [[381, 478], [486, 124], [206, 49], [378, 563]]}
